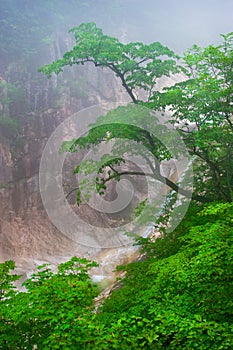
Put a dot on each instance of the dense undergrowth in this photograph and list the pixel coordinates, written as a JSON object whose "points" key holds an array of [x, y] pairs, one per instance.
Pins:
{"points": [[180, 297]]}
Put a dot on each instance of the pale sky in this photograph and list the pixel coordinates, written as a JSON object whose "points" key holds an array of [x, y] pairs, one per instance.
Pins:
{"points": [[176, 23]]}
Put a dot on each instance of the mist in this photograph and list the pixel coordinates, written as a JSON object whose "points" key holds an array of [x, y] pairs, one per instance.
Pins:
{"points": [[35, 33], [177, 24]]}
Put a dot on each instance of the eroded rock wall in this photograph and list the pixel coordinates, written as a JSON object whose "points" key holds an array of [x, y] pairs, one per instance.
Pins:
{"points": [[26, 233], [37, 107]]}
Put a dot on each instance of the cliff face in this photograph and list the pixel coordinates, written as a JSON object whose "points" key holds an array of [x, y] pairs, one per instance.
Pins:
{"points": [[31, 108]]}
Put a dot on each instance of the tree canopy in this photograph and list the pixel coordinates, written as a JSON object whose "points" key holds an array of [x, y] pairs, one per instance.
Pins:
{"points": [[135, 64], [180, 297], [200, 106], [202, 109]]}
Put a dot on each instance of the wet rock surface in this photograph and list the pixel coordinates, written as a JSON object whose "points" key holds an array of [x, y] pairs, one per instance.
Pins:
{"points": [[26, 232]]}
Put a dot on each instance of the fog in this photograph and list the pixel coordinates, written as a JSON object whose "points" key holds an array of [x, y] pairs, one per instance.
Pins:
{"points": [[177, 24], [34, 33]]}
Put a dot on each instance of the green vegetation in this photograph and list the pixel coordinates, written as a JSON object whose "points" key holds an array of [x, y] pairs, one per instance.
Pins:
{"points": [[9, 126], [12, 98], [205, 100], [136, 64], [201, 106], [179, 298], [28, 28], [52, 308], [184, 298]]}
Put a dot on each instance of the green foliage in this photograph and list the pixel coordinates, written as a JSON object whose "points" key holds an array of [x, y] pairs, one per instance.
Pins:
{"points": [[136, 64], [9, 126], [140, 207], [29, 28], [201, 105], [6, 279], [7, 294], [48, 313], [177, 299], [20, 29], [151, 141], [11, 97], [202, 110], [182, 297]]}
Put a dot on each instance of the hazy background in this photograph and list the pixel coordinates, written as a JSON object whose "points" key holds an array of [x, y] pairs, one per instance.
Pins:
{"points": [[34, 33], [176, 23]]}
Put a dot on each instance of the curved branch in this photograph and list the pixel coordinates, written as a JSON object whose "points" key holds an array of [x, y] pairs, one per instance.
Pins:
{"points": [[71, 191], [157, 176]]}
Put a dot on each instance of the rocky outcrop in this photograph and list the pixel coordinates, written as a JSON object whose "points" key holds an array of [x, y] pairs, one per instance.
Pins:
{"points": [[30, 116], [27, 120]]}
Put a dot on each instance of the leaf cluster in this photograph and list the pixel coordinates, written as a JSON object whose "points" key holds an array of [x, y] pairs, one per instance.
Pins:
{"points": [[179, 299], [202, 112], [183, 294], [54, 304], [136, 64]]}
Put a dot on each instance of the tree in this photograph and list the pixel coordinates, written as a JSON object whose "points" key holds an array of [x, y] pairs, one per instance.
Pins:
{"points": [[202, 110], [137, 65], [8, 293], [7, 289], [52, 313], [201, 106]]}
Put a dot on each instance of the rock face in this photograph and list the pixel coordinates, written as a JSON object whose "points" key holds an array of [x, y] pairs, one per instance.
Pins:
{"points": [[38, 106]]}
